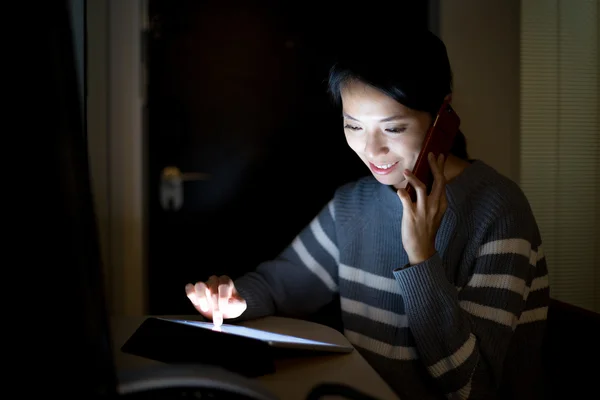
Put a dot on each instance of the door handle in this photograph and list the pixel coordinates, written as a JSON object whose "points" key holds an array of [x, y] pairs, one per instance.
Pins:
{"points": [[171, 186]]}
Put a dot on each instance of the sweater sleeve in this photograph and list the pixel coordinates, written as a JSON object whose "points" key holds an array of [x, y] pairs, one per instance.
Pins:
{"points": [[302, 279], [463, 334]]}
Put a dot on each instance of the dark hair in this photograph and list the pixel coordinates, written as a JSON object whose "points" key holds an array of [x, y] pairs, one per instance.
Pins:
{"points": [[411, 67]]}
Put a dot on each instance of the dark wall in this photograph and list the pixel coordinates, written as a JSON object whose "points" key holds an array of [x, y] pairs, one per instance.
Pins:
{"points": [[238, 91]]}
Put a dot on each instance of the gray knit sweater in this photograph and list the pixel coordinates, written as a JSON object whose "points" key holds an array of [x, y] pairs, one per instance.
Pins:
{"points": [[467, 323]]}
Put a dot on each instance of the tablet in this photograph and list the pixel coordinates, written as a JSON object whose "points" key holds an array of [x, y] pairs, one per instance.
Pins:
{"points": [[248, 351], [272, 339]]}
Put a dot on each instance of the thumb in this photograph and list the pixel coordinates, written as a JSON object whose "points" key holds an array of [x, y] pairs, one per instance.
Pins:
{"points": [[237, 305]]}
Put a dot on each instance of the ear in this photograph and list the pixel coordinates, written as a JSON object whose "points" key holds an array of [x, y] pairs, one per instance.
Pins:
{"points": [[448, 98]]}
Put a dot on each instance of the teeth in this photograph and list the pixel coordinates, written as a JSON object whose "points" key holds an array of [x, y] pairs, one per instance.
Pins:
{"points": [[385, 166]]}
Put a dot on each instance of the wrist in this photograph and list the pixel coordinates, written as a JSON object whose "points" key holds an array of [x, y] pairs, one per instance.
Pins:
{"points": [[421, 256]]}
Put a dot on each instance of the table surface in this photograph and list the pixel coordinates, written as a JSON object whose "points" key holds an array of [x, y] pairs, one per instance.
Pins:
{"points": [[294, 378]]}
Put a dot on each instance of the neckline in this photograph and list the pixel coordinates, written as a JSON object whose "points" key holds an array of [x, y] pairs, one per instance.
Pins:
{"points": [[456, 190]]}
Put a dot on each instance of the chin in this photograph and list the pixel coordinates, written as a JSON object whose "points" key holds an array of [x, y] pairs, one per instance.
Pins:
{"points": [[391, 180]]}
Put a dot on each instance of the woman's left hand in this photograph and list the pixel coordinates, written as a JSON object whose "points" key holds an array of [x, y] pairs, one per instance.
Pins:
{"points": [[421, 220]]}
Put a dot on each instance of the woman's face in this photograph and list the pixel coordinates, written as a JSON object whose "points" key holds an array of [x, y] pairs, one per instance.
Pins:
{"points": [[386, 135]]}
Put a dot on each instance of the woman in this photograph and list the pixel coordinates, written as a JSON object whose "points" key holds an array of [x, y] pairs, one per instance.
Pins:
{"points": [[445, 297]]}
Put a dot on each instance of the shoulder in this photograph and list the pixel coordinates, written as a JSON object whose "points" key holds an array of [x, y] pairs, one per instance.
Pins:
{"points": [[482, 186], [500, 191], [355, 197], [357, 190], [491, 198]]}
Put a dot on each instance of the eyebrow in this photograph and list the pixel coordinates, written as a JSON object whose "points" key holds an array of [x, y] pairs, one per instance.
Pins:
{"points": [[388, 119]]}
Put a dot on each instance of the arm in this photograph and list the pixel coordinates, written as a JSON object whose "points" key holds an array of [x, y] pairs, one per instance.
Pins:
{"points": [[463, 336], [302, 279]]}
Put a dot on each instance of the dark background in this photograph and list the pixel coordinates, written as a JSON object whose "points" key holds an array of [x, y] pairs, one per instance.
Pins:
{"points": [[238, 92]]}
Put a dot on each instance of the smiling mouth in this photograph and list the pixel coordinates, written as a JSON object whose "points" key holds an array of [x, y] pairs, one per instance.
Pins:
{"points": [[382, 169], [385, 166]]}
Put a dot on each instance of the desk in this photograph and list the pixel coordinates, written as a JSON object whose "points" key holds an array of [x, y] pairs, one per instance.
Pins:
{"points": [[293, 379]]}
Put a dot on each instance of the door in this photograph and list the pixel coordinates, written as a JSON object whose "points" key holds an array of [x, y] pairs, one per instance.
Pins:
{"points": [[244, 145]]}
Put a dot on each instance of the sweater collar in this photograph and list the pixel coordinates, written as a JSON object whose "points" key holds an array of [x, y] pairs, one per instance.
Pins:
{"points": [[456, 190]]}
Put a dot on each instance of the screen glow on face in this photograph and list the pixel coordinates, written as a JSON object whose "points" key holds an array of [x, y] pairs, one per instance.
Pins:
{"points": [[253, 333]]}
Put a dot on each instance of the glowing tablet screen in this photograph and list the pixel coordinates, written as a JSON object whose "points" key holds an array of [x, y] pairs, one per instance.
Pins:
{"points": [[269, 337]]}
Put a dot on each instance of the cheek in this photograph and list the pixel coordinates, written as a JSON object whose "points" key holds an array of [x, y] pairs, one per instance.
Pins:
{"points": [[356, 143], [406, 146]]}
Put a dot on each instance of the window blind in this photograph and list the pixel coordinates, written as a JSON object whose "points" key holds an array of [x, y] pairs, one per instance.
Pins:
{"points": [[560, 140]]}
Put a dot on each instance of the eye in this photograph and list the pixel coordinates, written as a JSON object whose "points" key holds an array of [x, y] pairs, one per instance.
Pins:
{"points": [[396, 130], [352, 127]]}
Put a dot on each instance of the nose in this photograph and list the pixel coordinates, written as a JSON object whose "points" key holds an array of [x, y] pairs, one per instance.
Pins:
{"points": [[376, 145]]}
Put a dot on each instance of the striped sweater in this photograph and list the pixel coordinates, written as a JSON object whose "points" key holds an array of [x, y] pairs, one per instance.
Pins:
{"points": [[466, 324]]}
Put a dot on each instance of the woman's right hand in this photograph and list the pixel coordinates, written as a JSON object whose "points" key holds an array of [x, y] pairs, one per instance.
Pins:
{"points": [[216, 299]]}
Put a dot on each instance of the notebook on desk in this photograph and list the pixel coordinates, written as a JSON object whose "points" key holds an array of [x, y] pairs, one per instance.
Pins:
{"points": [[248, 351]]}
